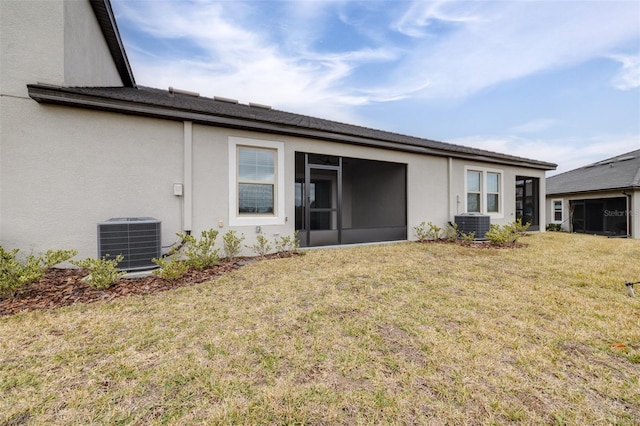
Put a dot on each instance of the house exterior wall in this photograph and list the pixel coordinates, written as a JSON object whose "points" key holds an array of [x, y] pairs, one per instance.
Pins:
{"points": [[567, 198], [63, 170], [77, 168], [32, 45], [508, 193], [87, 60]]}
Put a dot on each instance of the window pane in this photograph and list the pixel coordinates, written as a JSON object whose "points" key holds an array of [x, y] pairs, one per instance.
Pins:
{"points": [[473, 203], [493, 182], [557, 216], [473, 181], [492, 203], [256, 164], [255, 198]]}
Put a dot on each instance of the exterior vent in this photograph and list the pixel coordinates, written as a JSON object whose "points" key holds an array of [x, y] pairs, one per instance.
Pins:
{"points": [[138, 239], [479, 224]]}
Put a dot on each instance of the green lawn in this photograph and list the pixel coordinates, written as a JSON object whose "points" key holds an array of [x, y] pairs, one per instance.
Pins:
{"points": [[402, 333]]}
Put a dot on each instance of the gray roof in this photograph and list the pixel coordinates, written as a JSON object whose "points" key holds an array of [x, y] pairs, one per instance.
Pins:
{"points": [[178, 105], [615, 173]]}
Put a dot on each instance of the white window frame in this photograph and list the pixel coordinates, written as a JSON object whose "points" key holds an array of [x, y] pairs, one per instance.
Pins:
{"points": [[553, 210], [483, 190], [278, 216]]}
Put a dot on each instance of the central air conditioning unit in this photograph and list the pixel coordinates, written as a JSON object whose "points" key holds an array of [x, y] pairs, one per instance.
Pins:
{"points": [[136, 238], [479, 224]]}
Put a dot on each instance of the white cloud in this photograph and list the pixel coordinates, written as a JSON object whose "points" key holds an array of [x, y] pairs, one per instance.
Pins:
{"points": [[497, 41], [534, 126], [567, 153], [629, 75]]}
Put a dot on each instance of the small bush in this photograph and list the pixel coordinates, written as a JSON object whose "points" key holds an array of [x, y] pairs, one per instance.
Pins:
{"points": [[519, 228], [232, 244], [15, 274], [467, 237], [555, 227], [103, 273], [287, 244], [171, 268], [262, 246], [507, 234], [201, 253], [424, 234], [451, 232]]}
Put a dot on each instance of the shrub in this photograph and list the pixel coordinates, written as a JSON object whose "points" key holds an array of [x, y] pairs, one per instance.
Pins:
{"points": [[519, 228], [201, 253], [232, 244], [507, 234], [451, 232], [466, 237], [15, 274], [424, 234], [262, 246], [288, 244], [103, 273], [170, 268], [557, 227]]}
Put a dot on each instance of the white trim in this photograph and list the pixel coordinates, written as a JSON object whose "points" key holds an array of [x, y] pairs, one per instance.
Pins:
{"points": [[483, 190], [278, 218]]}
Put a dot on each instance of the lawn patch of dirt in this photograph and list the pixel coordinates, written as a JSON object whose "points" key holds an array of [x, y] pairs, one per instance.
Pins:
{"points": [[64, 287]]}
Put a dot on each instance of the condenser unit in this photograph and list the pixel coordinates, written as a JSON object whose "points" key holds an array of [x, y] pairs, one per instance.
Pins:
{"points": [[136, 238], [479, 224]]}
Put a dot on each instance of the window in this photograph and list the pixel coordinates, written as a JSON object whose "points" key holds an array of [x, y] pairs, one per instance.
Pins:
{"points": [[557, 210], [473, 191], [484, 191], [493, 192], [256, 179]]}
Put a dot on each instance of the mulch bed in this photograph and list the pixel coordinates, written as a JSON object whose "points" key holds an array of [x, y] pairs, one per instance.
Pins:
{"points": [[64, 287]]}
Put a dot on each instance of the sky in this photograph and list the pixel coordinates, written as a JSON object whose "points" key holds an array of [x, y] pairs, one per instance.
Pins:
{"points": [[551, 80]]}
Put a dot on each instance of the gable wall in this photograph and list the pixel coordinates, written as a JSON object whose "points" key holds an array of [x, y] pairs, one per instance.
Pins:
{"points": [[31, 44], [87, 60]]}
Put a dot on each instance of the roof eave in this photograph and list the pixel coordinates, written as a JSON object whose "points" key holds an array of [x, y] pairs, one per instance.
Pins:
{"points": [[104, 13], [50, 95]]}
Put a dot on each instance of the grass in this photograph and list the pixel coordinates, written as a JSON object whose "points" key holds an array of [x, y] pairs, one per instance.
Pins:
{"points": [[404, 334]]}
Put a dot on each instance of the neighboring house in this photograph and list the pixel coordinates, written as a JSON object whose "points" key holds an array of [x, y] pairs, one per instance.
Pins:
{"points": [[81, 143], [601, 198]]}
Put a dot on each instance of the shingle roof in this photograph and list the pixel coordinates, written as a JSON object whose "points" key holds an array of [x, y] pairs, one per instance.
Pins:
{"points": [[620, 172], [179, 106]]}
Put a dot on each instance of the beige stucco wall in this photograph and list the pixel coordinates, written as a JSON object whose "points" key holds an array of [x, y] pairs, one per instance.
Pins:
{"points": [[31, 44], [87, 60], [63, 170], [635, 207], [509, 173]]}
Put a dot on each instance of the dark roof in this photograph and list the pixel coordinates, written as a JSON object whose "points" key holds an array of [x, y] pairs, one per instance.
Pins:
{"points": [[104, 13], [177, 105], [619, 172]]}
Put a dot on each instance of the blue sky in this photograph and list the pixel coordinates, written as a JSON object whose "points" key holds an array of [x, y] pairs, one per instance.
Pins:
{"points": [[551, 80]]}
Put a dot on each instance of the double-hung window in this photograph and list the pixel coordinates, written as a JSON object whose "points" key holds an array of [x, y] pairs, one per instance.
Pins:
{"points": [[557, 210], [483, 189], [256, 182], [474, 192]]}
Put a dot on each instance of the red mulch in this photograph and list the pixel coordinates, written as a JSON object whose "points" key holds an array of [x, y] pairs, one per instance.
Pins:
{"points": [[64, 287]]}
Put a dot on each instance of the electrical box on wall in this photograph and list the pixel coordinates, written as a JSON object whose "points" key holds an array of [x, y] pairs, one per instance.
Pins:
{"points": [[177, 189]]}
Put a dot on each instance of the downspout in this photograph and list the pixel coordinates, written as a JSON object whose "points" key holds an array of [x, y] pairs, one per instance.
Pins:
{"points": [[188, 178], [450, 189]]}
